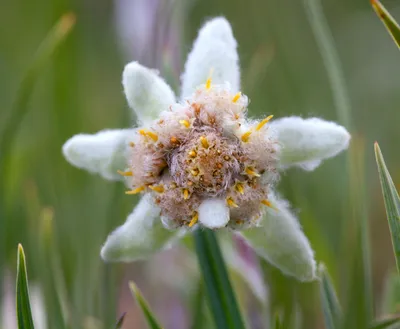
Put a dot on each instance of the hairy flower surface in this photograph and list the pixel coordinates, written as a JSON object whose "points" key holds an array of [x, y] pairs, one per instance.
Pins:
{"points": [[200, 161]]}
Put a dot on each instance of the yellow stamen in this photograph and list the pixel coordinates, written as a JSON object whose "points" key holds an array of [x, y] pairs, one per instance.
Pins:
{"points": [[194, 220], [204, 142], [239, 188], [251, 172], [157, 188], [136, 190], [236, 97], [148, 133], [192, 153], [246, 136], [194, 172], [263, 122], [185, 123], [125, 173], [267, 203], [186, 194], [152, 135], [131, 144], [208, 83], [231, 203]]}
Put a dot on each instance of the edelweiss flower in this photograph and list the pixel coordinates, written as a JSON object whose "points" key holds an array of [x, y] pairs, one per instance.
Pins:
{"points": [[200, 161]]}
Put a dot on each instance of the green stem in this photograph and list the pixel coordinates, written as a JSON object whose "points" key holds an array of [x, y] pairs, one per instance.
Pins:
{"points": [[221, 297]]}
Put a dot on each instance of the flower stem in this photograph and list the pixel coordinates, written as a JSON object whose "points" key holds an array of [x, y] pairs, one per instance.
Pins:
{"points": [[221, 297]]}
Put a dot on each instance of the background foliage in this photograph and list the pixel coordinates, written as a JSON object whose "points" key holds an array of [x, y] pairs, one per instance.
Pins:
{"points": [[62, 215]]}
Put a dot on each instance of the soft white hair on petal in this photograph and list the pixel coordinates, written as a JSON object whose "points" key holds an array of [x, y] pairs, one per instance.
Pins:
{"points": [[146, 92], [214, 51], [102, 153], [213, 213], [281, 241], [306, 142], [140, 236]]}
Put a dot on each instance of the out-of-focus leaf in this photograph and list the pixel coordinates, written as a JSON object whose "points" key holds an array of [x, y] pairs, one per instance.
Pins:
{"points": [[24, 314], [278, 324], [330, 303], [391, 294], [120, 322], [392, 203], [148, 314], [222, 300], [390, 23], [383, 324], [20, 107]]}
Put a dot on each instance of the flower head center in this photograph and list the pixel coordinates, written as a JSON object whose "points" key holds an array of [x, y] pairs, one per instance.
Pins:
{"points": [[203, 148]]}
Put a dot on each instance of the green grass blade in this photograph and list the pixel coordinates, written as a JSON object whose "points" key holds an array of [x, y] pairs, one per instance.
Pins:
{"points": [[222, 300], [24, 314], [330, 303], [390, 23], [383, 324], [120, 322], [148, 314], [20, 107], [392, 203]]}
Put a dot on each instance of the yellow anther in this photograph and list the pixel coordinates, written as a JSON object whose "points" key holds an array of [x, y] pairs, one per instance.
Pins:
{"points": [[208, 83], [251, 172], [194, 220], [136, 190], [131, 144], [192, 153], [125, 173], [263, 122], [173, 185], [186, 194], [231, 203], [236, 97], [185, 123], [157, 188], [148, 133], [204, 142], [267, 203], [194, 172], [239, 188], [246, 136]]}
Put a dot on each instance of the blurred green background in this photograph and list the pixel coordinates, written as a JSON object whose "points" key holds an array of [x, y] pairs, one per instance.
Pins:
{"points": [[62, 215]]}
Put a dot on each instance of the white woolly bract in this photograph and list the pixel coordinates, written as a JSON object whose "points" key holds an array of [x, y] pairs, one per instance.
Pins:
{"points": [[305, 142], [213, 213], [102, 153], [281, 241], [214, 54], [141, 235], [146, 91]]}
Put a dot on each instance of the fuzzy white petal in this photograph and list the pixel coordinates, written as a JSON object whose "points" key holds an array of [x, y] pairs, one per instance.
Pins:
{"points": [[147, 93], [305, 142], [142, 234], [102, 153], [213, 213], [281, 241], [215, 50]]}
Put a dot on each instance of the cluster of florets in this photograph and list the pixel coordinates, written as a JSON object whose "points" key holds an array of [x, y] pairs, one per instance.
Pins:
{"points": [[205, 148]]}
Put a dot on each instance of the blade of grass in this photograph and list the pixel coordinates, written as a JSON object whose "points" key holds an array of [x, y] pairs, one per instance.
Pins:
{"points": [[120, 322], [24, 314], [330, 303], [150, 318], [392, 203], [383, 324], [390, 23], [222, 300]]}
